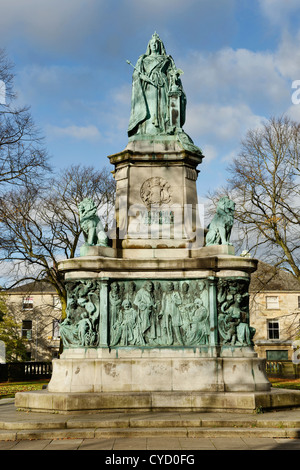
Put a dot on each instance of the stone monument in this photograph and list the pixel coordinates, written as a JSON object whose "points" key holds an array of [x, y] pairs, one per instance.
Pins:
{"points": [[157, 316]]}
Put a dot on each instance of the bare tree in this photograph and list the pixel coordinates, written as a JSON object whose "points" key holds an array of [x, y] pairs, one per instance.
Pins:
{"points": [[40, 227], [264, 183], [23, 157], [10, 332], [7, 76]]}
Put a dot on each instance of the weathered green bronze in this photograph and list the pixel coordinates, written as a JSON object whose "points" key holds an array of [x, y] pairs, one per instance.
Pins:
{"points": [[233, 312], [157, 313], [81, 326], [158, 102], [219, 229], [164, 313], [91, 225]]}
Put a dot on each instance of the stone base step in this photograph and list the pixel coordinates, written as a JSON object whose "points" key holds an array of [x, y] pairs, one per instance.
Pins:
{"points": [[148, 422], [109, 433], [43, 401], [20, 426]]}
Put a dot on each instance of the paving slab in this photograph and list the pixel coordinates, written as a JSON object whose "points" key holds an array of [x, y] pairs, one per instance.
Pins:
{"points": [[40, 444], [97, 444], [260, 443], [226, 444], [286, 444], [171, 443], [130, 444], [64, 444], [7, 445], [201, 443]]}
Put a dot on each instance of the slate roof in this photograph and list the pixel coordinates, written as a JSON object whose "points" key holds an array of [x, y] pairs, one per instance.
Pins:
{"points": [[33, 287], [269, 278]]}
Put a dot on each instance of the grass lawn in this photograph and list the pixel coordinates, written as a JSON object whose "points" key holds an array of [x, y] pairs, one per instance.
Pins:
{"points": [[9, 389], [293, 384]]}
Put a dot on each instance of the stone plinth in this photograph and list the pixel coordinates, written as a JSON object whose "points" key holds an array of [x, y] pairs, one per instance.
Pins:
{"points": [[157, 370], [156, 196], [217, 261], [126, 402], [123, 374]]}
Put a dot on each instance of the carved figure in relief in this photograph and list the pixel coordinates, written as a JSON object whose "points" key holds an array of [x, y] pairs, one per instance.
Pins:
{"points": [[226, 326], [131, 292], [242, 334], [219, 229], [85, 330], [233, 318], [145, 302], [201, 292], [171, 317], [187, 304], [158, 313], [80, 328], [199, 325], [226, 329], [114, 302], [69, 332], [186, 298], [125, 330], [130, 334]]}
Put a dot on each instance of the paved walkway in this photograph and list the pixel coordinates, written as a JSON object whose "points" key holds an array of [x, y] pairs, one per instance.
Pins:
{"points": [[167, 445], [181, 445]]}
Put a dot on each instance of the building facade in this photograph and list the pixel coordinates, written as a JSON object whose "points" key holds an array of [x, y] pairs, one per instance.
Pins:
{"points": [[35, 308], [275, 313]]}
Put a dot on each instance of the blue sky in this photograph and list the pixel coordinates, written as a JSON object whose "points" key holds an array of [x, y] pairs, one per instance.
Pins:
{"points": [[239, 59]]}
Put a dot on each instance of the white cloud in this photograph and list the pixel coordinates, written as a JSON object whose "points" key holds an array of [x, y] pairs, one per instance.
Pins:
{"points": [[228, 157], [287, 57], [122, 95], [224, 123], [54, 84], [159, 7], [230, 91], [294, 112], [278, 11], [49, 22], [237, 75], [210, 152], [90, 132]]}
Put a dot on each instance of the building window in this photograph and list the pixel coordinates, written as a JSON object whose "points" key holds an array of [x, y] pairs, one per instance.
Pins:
{"points": [[27, 303], [273, 329], [28, 356], [298, 301], [55, 329], [27, 329], [272, 302], [277, 355]]}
